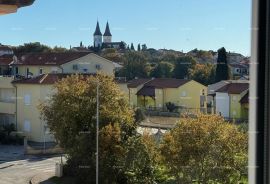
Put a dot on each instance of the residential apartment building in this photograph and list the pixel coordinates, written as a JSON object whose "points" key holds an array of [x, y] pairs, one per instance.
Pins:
{"points": [[238, 70], [229, 99], [30, 80], [155, 93], [7, 101], [31, 65]]}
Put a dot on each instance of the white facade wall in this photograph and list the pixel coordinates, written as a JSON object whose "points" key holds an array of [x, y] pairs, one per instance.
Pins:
{"points": [[107, 39], [97, 41], [223, 104]]}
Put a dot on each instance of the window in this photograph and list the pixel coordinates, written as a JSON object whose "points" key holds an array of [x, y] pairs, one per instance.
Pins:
{"points": [[183, 93], [54, 70], [170, 54], [202, 92], [27, 126], [16, 70], [75, 67], [27, 99], [98, 66]]}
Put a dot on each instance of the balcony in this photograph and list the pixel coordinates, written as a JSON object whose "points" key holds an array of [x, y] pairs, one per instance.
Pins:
{"points": [[7, 108]]}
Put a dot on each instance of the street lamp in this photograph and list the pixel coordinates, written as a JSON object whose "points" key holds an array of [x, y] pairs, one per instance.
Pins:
{"points": [[97, 132]]}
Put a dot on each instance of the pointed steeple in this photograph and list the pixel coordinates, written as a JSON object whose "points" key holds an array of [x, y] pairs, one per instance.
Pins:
{"points": [[107, 30], [97, 32]]}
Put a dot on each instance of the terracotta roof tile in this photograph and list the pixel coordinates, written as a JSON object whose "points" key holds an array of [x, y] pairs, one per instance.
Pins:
{"points": [[5, 60], [45, 79], [48, 58], [147, 91], [167, 83], [137, 82], [234, 88]]}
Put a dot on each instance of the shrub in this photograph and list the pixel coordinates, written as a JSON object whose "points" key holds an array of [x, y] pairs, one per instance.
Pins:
{"points": [[171, 106]]}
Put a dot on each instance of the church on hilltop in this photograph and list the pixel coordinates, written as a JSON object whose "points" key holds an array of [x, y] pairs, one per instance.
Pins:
{"points": [[105, 40]]}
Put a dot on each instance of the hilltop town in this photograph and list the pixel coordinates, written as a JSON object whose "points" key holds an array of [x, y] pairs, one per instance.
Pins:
{"points": [[159, 85]]}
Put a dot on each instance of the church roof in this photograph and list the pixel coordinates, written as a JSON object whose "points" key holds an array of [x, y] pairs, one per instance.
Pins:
{"points": [[107, 30], [97, 32]]}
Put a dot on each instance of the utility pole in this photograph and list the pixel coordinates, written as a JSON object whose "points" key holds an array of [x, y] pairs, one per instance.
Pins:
{"points": [[97, 132]]}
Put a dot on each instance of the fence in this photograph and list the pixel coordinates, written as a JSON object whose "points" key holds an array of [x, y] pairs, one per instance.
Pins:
{"points": [[160, 111], [41, 148]]}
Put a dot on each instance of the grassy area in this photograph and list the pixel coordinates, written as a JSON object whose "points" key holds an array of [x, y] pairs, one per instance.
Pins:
{"points": [[63, 180]]}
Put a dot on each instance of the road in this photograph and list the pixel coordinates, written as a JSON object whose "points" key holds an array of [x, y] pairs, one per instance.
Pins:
{"points": [[19, 170]]}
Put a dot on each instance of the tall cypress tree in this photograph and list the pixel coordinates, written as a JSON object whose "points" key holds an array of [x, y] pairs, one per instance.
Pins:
{"points": [[222, 69], [139, 47], [132, 47]]}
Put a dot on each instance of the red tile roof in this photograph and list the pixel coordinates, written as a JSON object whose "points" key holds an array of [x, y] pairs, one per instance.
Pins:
{"points": [[48, 58], [45, 79], [147, 91], [166, 83], [137, 82], [234, 88], [5, 60]]}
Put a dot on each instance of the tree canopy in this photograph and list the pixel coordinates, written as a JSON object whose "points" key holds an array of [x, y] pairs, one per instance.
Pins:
{"points": [[36, 47], [182, 66], [205, 149], [71, 115], [203, 73], [222, 68], [135, 65], [163, 70]]}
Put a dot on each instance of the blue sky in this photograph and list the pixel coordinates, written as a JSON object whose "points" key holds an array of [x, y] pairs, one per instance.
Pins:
{"points": [[171, 24]]}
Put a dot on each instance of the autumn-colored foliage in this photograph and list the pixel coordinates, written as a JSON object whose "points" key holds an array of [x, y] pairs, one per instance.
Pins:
{"points": [[205, 149], [71, 116]]}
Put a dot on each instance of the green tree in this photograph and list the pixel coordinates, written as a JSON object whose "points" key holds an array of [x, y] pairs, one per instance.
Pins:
{"points": [[139, 47], [144, 47], [182, 66], [122, 45], [132, 47], [205, 149], [222, 68], [135, 65], [141, 160], [203, 73], [34, 47], [71, 116], [163, 70], [59, 49]]}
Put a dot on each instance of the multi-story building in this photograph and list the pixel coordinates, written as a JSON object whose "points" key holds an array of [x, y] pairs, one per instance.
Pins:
{"points": [[155, 93], [30, 82], [30, 65], [231, 100]]}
